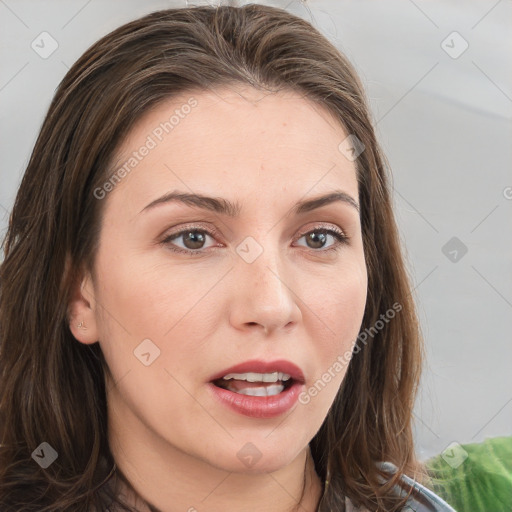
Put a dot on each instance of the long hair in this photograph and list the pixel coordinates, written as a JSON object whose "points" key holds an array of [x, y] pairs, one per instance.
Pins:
{"points": [[52, 388]]}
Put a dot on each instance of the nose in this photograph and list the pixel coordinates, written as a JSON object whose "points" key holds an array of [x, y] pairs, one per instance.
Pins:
{"points": [[264, 297]]}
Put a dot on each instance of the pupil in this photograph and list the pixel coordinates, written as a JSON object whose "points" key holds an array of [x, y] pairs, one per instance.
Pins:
{"points": [[199, 239], [315, 239]]}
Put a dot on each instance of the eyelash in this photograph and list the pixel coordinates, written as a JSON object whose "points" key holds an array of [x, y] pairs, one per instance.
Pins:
{"points": [[341, 239]]}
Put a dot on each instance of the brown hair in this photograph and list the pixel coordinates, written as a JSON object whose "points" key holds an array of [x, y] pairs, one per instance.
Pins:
{"points": [[52, 388]]}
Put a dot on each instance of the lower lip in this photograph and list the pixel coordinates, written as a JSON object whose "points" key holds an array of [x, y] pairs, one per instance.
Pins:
{"points": [[258, 406]]}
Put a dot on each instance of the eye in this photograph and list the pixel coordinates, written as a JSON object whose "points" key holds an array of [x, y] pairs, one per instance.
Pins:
{"points": [[317, 239], [193, 240]]}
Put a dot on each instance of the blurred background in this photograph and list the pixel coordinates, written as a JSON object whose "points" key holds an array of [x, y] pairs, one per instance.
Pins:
{"points": [[439, 82]]}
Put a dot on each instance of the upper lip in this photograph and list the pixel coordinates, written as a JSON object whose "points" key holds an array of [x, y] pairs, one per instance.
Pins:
{"points": [[256, 366]]}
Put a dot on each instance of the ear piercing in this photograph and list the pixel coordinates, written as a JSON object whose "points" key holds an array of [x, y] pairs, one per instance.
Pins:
{"points": [[81, 325]]}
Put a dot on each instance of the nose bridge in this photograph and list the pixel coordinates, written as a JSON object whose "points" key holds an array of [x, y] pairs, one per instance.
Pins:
{"points": [[265, 293], [265, 272]]}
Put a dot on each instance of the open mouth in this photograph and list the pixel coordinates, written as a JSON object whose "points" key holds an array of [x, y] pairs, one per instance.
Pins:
{"points": [[262, 395], [255, 384]]}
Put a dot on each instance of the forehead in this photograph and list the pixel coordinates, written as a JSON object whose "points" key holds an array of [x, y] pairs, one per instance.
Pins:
{"points": [[234, 138]]}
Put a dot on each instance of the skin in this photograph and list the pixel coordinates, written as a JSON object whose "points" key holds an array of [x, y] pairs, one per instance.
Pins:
{"points": [[176, 445]]}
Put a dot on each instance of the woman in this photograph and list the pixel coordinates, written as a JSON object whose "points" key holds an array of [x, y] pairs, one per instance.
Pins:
{"points": [[203, 301]]}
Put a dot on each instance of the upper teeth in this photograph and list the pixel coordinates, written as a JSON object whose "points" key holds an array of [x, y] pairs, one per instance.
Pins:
{"points": [[258, 377]]}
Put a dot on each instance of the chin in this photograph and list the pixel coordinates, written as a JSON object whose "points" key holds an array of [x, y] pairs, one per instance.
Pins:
{"points": [[256, 458]]}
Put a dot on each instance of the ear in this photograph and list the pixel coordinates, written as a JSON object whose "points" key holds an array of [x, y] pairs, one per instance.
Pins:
{"points": [[82, 310]]}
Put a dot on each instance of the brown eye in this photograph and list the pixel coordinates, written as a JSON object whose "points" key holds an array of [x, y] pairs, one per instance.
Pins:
{"points": [[318, 238], [193, 240]]}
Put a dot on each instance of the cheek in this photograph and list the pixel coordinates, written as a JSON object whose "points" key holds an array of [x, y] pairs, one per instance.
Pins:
{"points": [[341, 309], [342, 302], [347, 307], [168, 305], [149, 299], [338, 314]]}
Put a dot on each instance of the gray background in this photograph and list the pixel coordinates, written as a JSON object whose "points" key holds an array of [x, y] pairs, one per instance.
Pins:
{"points": [[444, 121]]}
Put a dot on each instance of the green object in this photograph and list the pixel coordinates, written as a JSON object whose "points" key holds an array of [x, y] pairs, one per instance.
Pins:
{"points": [[474, 477]]}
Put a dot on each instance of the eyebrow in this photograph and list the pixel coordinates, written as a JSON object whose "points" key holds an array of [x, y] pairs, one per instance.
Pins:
{"points": [[225, 207]]}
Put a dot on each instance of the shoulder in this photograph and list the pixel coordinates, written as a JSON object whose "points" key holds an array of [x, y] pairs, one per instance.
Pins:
{"points": [[427, 500], [422, 499]]}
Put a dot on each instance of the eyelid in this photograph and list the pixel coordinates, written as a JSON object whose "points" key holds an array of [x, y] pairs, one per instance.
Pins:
{"points": [[215, 232], [321, 227], [193, 226]]}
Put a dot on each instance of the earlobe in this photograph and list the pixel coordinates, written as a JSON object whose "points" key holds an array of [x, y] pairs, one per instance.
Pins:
{"points": [[82, 313]]}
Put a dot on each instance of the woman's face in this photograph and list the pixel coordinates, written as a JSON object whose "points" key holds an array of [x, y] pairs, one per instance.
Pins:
{"points": [[185, 290]]}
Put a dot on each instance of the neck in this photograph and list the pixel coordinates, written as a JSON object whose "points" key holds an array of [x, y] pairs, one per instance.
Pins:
{"points": [[169, 480], [143, 501]]}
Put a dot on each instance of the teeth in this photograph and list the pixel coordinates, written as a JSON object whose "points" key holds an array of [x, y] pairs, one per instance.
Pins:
{"points": [[261, 391], [258, 377]]}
